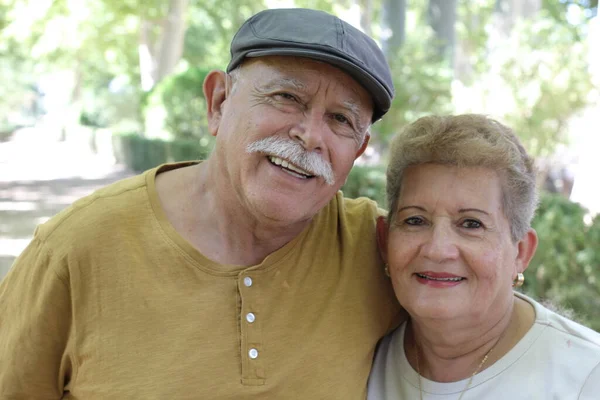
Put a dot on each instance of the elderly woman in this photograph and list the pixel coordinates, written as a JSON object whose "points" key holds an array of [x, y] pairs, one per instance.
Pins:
{"points": [[457, 240]]}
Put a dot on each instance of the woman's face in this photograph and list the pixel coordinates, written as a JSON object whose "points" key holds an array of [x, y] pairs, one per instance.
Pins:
{"points": [[449, 247]]}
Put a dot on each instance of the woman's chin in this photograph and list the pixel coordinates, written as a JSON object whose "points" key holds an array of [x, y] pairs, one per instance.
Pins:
{"points": [[439, 310]]}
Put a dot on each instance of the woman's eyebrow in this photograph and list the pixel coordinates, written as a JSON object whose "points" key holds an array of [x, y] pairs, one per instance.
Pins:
{"points": [[464, 210], [407, 207]]}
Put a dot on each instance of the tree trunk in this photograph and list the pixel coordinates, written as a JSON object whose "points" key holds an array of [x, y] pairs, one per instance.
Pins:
{"points": [[366, 12], [77, 81], [442, 18], [171, 48], [146, 56], [509, 11], [394, 27]]}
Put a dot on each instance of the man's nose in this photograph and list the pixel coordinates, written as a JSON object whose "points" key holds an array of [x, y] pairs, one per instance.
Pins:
{"points": [[441, 244], [310, 131]]}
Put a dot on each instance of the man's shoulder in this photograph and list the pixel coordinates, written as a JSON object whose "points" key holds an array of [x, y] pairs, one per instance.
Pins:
{"points": [[353, 219], [359, 207], [87, 214]]}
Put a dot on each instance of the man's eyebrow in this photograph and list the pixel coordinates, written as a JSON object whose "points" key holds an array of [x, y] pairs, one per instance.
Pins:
{"points": [[354, 108], [279, 83]]}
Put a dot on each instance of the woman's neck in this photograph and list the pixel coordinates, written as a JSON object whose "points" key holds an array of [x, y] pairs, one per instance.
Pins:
{"points": [[450, 351]]}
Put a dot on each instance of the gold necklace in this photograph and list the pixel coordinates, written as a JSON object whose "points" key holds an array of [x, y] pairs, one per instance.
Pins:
{"points": [[470, 379]]}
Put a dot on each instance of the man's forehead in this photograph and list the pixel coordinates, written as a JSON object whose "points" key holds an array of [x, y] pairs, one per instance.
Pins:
{"points": [[277, 82], [298, 71]]}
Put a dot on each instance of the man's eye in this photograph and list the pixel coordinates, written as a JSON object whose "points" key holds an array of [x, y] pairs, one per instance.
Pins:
{"points": [[471, 224], [341, 118], [414, 221], [286, 96]]}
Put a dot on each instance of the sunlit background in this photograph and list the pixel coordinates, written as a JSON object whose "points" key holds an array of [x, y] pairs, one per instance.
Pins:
{"points": [[97, 90]]}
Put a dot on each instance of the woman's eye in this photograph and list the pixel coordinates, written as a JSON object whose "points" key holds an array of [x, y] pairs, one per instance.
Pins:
{"points": [[414, 221], [471, 224]]}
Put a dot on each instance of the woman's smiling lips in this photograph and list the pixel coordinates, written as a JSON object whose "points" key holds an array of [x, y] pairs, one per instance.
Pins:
{"points": [[438, 279]]}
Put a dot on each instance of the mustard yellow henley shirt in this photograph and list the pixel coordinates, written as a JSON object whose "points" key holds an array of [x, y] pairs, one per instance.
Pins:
{"points": [[110, 302]]}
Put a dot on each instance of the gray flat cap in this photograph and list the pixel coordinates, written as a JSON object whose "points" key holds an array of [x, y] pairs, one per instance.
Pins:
{"points": [[320, 36]]}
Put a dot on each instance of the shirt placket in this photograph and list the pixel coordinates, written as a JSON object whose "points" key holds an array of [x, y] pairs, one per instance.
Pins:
{"points": [[252, 346]]}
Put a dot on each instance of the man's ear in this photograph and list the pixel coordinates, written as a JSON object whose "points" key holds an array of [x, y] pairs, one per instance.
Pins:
{"points": [[215, 93], [363, 147], [382, 237], [526, 250]]}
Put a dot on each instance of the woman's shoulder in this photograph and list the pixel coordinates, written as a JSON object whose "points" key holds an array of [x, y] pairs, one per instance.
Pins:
{"points": [[564, 328], [389, 361]]}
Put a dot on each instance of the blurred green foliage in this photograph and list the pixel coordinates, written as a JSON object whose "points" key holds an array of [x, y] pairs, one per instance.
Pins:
{"points": [[181, 98], [566, 267], [423, 85], [188, 149], [91, 119], [100, 41], [366, 181], [140, 153], [543, 64], [6, 132]]}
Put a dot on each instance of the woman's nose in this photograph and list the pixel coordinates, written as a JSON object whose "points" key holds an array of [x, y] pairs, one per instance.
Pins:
{"points": [[441, 244]]}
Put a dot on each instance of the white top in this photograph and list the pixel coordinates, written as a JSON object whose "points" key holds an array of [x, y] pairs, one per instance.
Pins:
{"points": [[556, 359]]}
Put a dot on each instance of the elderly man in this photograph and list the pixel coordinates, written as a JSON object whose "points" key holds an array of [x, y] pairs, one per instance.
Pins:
{"points": [[247, 276]]}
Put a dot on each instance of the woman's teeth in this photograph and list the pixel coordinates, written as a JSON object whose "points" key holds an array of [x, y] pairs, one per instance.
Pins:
{"points": [[457, 279]]}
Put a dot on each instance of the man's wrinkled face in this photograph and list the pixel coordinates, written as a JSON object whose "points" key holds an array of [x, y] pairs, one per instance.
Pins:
{"points": [[290, 131]]}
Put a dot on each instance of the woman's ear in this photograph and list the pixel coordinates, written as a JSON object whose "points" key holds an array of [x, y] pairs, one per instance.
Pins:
{"points": [[526, 250], [382, 237], [215, 93]]}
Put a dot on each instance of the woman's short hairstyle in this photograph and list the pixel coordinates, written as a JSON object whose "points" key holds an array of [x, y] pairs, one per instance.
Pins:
{"points": [[469, 140]]}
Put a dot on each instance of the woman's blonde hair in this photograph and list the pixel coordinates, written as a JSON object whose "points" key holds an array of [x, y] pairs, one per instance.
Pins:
{"points": [[469, 140]]}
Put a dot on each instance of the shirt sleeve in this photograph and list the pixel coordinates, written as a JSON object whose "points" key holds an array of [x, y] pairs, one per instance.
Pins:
{"points": [[35, 326]]}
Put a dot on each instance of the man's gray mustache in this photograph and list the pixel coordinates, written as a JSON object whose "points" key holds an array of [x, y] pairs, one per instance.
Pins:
{"points": [[293, 152]]}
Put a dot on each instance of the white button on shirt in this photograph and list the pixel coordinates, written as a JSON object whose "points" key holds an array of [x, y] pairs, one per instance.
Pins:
{"points": [[248, 281], [253, 353], [250, 317]]}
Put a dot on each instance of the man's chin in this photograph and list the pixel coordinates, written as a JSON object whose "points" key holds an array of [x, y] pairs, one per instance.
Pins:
{"points": [[289, 212], [286, 214]]}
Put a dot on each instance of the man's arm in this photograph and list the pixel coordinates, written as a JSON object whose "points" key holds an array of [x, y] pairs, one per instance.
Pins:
{"points": [[35, 326]]}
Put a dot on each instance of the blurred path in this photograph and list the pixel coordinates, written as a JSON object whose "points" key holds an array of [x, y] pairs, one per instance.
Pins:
{"points": [[39, 176]]}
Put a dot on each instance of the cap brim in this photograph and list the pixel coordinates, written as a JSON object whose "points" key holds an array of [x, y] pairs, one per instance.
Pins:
{"points": [[378, 92]]}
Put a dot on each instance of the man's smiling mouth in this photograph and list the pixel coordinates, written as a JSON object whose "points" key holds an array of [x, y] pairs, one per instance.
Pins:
{"points": [[290, 168]]}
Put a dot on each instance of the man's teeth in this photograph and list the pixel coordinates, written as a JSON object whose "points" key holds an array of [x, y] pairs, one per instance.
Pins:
{"points": [[440, 279], [287, 165]]}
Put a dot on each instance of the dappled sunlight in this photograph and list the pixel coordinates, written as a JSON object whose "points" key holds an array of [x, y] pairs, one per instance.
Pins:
{"points": [[40, 176], [17, 206], [12, 247]]}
